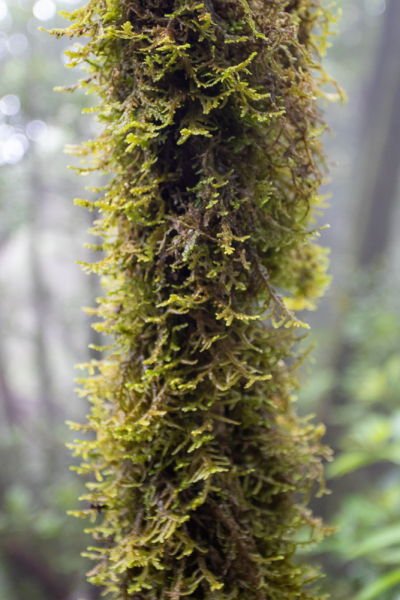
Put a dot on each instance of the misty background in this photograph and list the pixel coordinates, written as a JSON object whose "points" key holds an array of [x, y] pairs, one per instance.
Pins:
{"points": [[354, 386]]}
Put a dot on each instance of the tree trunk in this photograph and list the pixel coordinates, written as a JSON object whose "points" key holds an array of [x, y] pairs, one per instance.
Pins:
{"points": [[377, 184]]}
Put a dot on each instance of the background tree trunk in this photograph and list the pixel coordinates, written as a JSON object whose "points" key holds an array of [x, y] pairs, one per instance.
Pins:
{"points": [[376, 187]]}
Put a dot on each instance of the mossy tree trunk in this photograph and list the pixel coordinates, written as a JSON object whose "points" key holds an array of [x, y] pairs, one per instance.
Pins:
{"points": [[211, 136]]}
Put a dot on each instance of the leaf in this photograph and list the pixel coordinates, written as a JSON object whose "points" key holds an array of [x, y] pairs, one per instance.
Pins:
{"points": [[381, 539], [390, 556], [188, 131], [380, 585], [351, 461], [348, 462]]}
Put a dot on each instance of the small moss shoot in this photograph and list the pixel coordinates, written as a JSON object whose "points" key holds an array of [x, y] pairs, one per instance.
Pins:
{"points": [[197, 463]]}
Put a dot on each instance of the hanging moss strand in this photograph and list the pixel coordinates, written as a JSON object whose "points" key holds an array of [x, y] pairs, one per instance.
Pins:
{"points": [[198, 469]]}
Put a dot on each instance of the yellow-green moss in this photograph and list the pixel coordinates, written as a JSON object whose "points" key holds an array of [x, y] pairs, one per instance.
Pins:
{"points": [[211, 137]]}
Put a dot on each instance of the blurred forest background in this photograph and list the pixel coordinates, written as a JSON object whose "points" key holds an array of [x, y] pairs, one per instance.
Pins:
{"points": [[354, 387]]}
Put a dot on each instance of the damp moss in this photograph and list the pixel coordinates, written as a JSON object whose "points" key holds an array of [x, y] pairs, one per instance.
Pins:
{"points": [[199, 470]]}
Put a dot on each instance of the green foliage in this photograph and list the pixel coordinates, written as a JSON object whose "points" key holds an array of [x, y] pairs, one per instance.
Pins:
{"points": [[200, 467], [37, 538], [366, 548]]}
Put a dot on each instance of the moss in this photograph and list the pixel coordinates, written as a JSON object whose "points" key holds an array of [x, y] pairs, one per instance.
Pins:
{"points": [[211, 136]]}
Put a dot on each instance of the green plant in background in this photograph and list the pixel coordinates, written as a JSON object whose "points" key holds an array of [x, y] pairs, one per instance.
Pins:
{"points": [[366, 549], [201, 469], [37, 537]]}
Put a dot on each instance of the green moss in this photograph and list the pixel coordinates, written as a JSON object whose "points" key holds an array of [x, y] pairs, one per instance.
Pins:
{"points": [[202, 469]]}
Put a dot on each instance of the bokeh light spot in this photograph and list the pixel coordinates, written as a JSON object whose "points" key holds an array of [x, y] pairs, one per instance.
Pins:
{"points": [[13, 149], [10, 104], [22, 139], [44, 10], [17, 43], [5, 132], [3, 48], [3, 10], [36, 130], [6, 23], [375, 7]]}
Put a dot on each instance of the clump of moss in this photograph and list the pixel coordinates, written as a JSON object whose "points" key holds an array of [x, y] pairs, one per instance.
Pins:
{"points": [[211, 137]]}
